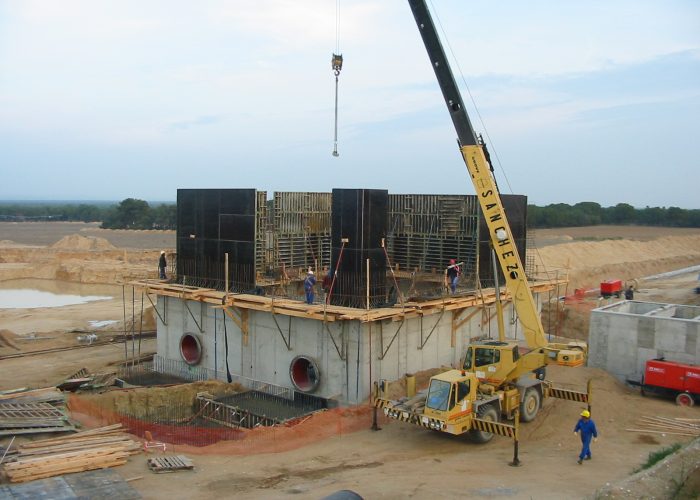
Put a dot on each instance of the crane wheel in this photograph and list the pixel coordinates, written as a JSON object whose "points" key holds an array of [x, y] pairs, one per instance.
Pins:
{"points": [[530, 405], [684, 399], [489, 413]]}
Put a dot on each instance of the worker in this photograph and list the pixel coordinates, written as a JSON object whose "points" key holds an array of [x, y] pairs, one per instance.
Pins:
{"points": [[453, 272], [162, 264], [327, 280], [629, 293], [309, 283], [587, 428]]}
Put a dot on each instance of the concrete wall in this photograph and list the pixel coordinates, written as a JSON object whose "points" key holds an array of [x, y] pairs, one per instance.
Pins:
{"points": [[624, 335], [368, 352]]}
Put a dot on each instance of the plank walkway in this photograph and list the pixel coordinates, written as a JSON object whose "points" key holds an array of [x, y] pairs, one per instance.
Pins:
{"points": [[330, 313]]}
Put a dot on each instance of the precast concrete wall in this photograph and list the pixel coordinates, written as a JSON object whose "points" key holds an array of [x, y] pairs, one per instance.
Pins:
{"points": [[624, 335], [350, 355]]}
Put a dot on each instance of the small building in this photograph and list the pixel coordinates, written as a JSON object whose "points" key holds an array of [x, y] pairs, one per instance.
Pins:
{"points": [[624, 335]]}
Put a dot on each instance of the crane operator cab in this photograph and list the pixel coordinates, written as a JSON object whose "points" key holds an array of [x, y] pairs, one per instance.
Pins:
{"points": [[493, 362]]}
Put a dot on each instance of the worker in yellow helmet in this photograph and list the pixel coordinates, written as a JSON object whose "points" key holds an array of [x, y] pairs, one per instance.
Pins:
{"points": [[588, 431]]}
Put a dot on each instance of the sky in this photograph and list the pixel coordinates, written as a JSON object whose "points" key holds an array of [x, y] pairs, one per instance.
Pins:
{"points": [[579, 101]]}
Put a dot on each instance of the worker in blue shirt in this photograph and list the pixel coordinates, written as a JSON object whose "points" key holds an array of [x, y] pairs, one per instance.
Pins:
{"points": [[587, 428], [309, 283]]}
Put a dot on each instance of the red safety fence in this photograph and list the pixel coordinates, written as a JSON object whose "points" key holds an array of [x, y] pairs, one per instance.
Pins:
{"points": [[176, 425]]}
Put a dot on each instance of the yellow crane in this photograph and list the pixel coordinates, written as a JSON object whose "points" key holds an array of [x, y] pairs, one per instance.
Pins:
{"points": [[497, 379]]}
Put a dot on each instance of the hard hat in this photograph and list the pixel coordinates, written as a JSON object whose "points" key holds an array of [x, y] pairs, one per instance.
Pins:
{"points": [[586, 413], [310, 271], [162, 252], [452, 261]]}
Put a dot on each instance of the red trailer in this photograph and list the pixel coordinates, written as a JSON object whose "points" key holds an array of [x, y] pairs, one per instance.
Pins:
{"points": [[611, 287], [673, 379]]}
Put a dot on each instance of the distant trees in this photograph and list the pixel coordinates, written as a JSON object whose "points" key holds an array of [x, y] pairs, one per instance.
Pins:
{"points": [[138, 214], [130, 213], [52, 211], [133, 213], [590, 214]]}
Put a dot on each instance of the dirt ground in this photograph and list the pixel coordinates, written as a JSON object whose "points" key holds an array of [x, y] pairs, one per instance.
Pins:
{"points": [[399, 461]]}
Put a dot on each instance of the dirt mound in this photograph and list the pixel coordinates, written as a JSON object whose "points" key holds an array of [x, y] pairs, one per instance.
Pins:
{"points": [[587, 261], [78, 242], [7, 339]]}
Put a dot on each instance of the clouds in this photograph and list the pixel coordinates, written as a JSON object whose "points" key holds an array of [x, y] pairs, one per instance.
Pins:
{"points": [[245, 90]]}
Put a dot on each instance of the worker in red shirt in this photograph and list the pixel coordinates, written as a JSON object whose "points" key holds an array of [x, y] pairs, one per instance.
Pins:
{"points": [[452, 273]]}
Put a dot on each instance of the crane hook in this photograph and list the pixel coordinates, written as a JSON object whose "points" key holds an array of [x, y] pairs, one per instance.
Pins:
{"points": [[337, 65]]}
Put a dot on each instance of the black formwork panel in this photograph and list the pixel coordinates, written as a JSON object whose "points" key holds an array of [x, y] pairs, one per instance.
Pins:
{"points": [[515, 206], [213, 223], [360, 216]]}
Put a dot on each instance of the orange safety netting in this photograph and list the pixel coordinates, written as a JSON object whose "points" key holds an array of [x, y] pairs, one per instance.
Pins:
{"points": [[207, 438]]}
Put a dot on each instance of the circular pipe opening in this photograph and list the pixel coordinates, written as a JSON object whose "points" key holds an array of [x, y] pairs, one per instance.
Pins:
{"points": [[190, 349], [304, 374]]}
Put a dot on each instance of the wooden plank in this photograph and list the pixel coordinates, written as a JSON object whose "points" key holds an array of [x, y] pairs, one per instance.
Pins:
{"points": [[661, 432], [321, 312]]}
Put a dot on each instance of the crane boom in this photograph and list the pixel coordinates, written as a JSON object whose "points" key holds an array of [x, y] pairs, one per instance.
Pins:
{"points": [[474, 154]]}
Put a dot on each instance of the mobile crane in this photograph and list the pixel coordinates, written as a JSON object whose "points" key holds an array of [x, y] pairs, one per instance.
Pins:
{"points": [[497, 380]]}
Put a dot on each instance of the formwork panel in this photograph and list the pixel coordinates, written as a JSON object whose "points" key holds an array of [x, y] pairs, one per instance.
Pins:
{"points": [[425, 231], [208, 217], [359, 217], [301, 230]]}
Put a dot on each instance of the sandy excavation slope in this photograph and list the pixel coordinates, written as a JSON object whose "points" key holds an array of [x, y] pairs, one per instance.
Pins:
{"points": [[590, 262]]}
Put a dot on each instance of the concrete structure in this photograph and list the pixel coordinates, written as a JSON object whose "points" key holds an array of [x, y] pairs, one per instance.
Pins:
{"points": [[624, 335], [235, 307], [349, 352]]}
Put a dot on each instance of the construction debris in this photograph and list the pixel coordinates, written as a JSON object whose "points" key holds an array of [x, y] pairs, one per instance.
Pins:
{"points": [[93, 449], [171, 463], [33, 411], [662, 425], [83, 380]]}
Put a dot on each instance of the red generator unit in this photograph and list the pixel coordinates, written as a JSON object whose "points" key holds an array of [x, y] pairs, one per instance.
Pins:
{"points": [[672, 379], [611, 287]]}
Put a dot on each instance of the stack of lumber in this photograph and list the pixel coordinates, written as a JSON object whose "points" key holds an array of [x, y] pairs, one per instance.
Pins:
{"points": [[661, 425], [33, 411], [94, 449]]}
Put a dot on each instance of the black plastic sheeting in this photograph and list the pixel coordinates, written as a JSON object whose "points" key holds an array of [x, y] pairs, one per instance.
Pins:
{"points": [[360, 216], [210, 224]]}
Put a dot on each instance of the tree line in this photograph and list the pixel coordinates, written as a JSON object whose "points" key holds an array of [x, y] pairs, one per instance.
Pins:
{"points": [[133, 213], [130, 213], [589, 213]]}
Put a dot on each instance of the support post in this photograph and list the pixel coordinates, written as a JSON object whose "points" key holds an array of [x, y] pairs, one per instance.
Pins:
{"points": [[516, 460], [375, 426], [226, 275], [368, 284]]}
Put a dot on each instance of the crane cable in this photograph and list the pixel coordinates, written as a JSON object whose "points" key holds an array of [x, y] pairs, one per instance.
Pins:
{"points": [[337, 65]]}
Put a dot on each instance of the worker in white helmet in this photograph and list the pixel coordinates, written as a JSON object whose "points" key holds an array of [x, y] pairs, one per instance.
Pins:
{"points": [[309, 283], [586, 427]]}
